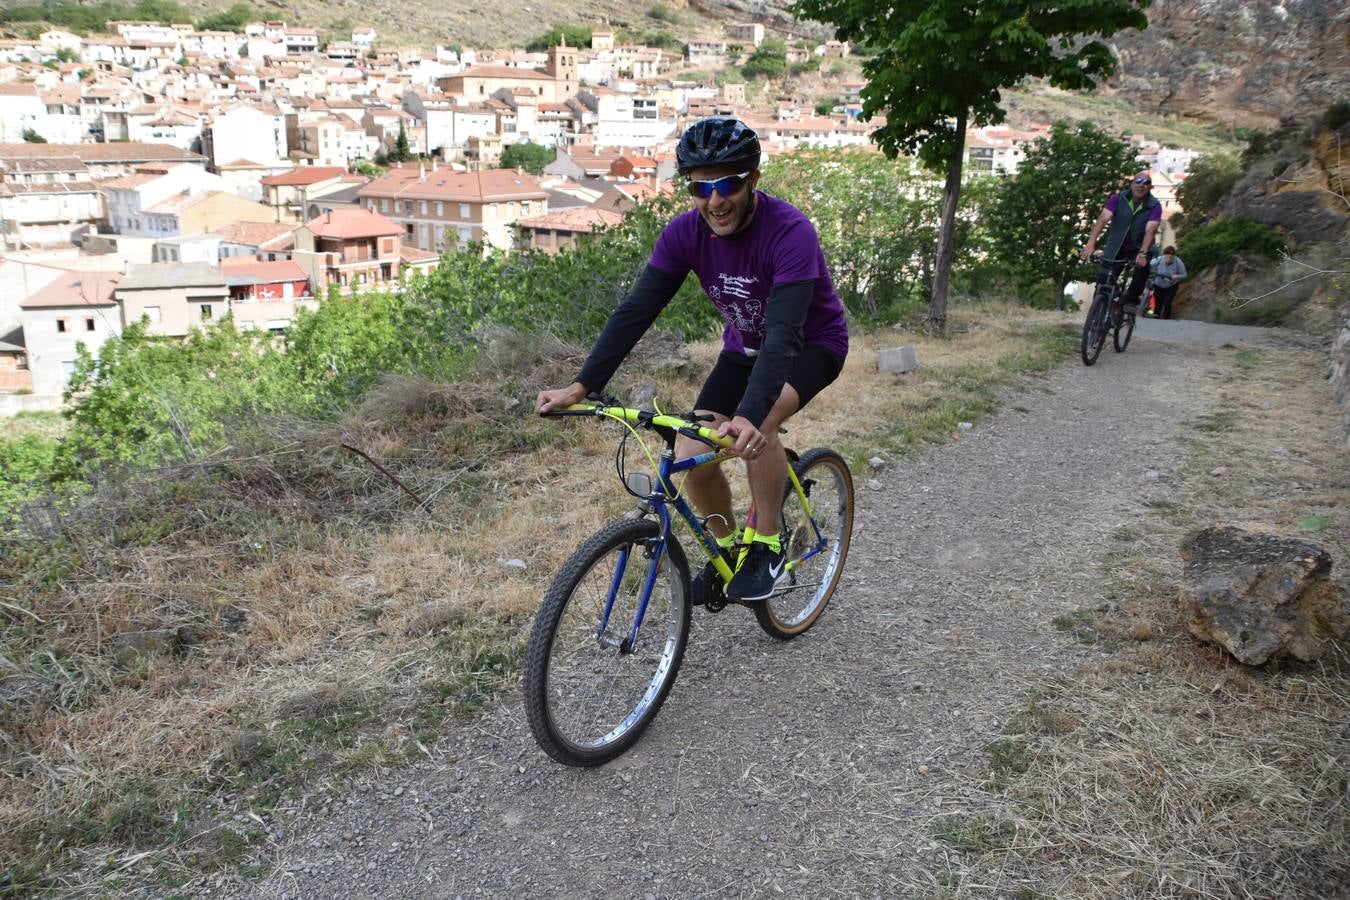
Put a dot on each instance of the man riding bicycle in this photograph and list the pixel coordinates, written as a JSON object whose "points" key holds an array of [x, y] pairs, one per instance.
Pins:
{"points": [[760, 263], [1135, 216]]}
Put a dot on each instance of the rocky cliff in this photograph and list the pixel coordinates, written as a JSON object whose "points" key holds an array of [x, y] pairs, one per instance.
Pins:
{"points": [[1249, 64]]}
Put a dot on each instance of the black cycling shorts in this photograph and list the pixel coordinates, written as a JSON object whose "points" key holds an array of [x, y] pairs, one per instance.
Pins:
{"points": [[812, 371]]}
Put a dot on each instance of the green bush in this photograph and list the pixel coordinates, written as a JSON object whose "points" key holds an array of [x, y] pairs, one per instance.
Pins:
{"points": [[1209, 181], [574, 35], [24, 467], [1219, 242], [1336, 115]]}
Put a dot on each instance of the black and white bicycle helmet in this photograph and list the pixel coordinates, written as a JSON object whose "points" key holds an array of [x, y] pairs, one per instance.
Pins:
{"points": [[717, 141]]}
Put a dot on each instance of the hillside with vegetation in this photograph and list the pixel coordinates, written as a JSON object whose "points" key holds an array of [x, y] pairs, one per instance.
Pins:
{"points": [[1266, 229]]}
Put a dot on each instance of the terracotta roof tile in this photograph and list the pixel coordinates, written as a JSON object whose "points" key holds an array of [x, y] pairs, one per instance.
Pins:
{"points": [[76, 289], [581, 219], [304, 175], [483, 186], [264, 235], [347, 224]]}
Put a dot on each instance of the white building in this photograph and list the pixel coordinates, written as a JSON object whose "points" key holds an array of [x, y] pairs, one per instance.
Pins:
{"points": [[131, 197], [21, 109], [75, 308], [626, 120], [246, 132]]}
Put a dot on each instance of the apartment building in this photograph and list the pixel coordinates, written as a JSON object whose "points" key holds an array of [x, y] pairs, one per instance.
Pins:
{"points": [[174, 297], [104, 160], [563, 229], [21, 110], [46, 202], [289, 193], [130, 197], [75, 308], [440, 210], [626, 120], [256, 133], [350, 249]]}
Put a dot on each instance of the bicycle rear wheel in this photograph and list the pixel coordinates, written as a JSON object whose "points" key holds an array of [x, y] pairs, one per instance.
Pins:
{"points": [[815, 545], [589, 694], [1095, 326]]}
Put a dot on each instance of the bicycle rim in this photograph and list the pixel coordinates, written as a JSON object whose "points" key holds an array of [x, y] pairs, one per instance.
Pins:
{"points": [[816, 545], [588, 694]]}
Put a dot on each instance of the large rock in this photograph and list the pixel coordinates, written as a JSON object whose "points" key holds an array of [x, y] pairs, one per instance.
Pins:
{"points": [[897, 360], [1259, 596]]}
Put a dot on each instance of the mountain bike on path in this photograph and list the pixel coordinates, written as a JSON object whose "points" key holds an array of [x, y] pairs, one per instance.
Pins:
{"points": [[1108, 314], [611, 633]]}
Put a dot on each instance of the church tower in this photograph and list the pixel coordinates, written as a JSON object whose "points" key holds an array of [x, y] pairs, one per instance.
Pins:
{"points": [[562, 65]]}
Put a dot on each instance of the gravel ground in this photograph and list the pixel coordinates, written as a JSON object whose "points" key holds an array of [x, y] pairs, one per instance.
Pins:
{"points": [[814, 767]]}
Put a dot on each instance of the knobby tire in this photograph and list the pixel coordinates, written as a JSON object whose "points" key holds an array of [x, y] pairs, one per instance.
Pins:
{"points": [[588, 702]]}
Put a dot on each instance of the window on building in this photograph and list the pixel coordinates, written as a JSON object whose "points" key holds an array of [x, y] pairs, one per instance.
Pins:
{"points": [[89, 323], [408, 232], [68, 366], [62, 326], [440, 209], [464, 210], [384, 204], [422, 207], [206, 311], [151, 313], [464, 235], [407, 207], [21, 361]]}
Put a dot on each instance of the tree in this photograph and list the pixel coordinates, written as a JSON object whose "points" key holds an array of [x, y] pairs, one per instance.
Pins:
{"points": [[401, 152], [1042, 215], [32, 137], [940, 66], [1208, 181], [768, 61], [527, 155], [571, 35], [232, 19]]}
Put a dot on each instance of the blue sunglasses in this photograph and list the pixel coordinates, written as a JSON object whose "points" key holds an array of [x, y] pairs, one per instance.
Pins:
{"points": [[727, 186]]}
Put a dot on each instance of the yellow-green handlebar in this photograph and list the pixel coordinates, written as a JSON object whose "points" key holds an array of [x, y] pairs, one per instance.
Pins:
{"points": [[638, 416]]}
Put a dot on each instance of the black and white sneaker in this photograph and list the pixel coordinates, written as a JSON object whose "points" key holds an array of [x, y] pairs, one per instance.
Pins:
{"points": [[759, 574]]}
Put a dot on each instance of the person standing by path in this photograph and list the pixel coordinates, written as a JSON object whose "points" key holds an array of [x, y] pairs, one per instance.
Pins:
{"points": [[1168, 272]]}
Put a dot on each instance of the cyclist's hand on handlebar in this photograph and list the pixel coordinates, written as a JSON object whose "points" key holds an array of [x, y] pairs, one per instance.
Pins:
{"points": [[749, 441], [560, 397]]}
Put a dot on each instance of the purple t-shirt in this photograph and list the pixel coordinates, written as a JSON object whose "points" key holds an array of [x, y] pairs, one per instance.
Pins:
{"points": [[737, 273]]}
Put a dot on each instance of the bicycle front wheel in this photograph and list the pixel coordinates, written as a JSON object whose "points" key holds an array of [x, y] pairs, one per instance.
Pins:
{"points": [[815, 544], [1120, 338], [590, 688], [1095, 327]]}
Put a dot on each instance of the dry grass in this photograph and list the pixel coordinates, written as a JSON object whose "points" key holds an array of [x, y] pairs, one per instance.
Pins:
{"points": [[1169, 770], [319, 620]]}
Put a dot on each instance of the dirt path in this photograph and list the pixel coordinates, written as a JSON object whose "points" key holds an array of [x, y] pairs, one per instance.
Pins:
{"points": [[816, 767]]}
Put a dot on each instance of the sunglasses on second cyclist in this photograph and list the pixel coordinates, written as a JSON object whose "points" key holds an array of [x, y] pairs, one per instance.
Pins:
{"points": [[727, 186], [1142, 181]]}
